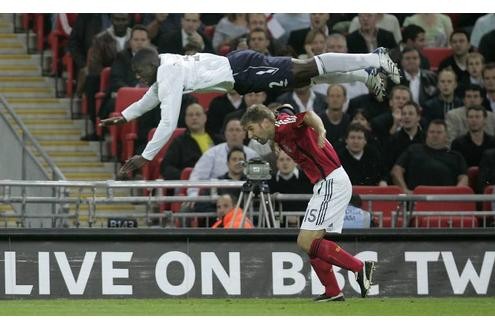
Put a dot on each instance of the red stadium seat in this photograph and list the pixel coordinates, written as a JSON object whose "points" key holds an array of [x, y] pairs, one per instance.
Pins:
{"points": [[488, 206], [444, 221], [58, 41], [473, 173], [386, 207], [436, 55], [100, 95], [184, 175], [123, 137], [204, 99], [152, 170]]}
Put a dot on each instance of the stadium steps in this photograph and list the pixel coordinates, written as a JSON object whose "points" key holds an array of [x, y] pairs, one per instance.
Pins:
{"points": [[48, 119], [7, 221]]}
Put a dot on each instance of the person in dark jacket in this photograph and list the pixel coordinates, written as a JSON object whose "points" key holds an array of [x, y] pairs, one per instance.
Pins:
{"points": [[364, 165], [445, 101], [175, 41], [409, 133], [368, 37], [421, 82]]}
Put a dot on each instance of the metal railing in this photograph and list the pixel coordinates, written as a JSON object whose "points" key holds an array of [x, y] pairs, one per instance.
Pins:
{"points": [[76, 199]]}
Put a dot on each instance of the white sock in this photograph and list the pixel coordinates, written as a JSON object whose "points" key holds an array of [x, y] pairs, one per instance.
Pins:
{"points": [[349, 77], [335, 62]]}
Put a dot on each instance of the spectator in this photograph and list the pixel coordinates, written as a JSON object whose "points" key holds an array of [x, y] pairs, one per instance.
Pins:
{"points": [[213, 163], [121, 74], [297, 37], [252, 98], [409, 133], [176, 40], [438, 28], [255, 21], [475, 65], [80, 40], [315, 43], [489, 83], [336, 42], [334, 119], [421, 82], [228, 28], [288, 179], [459, 41], [430, 164], [487, 44], [386, 22], [186, 149], [369, 37], [388, 123], [221, 106], [225, 214], [235, 157], [102, 53], [476, 141], [446, 100], [413, 36], [303, 100], [234, 172], [364, 165], [361, 117], [456, 119], [486, 175], [259, 40], [483, 25], [160, 24]]}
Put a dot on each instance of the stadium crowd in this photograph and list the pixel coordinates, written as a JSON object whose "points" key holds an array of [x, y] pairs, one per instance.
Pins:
{"points": [[434, 127]]}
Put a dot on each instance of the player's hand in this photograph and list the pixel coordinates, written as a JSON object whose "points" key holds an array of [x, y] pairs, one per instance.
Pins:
{"points": [[112, 121], [132, 164], [322, 137]]}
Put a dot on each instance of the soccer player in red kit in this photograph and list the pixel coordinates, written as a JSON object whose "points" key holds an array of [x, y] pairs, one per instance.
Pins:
{"points": [[303, 138]]}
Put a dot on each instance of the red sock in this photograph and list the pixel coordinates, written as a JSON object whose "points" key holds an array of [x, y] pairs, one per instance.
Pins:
{"points": [[330, 252], [324, 271]]}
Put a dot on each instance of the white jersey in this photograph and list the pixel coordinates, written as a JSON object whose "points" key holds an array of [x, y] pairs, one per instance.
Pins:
{"points": [[176, 75]]}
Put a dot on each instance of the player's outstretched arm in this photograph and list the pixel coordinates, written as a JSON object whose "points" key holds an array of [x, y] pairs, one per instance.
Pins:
{"points": [[112, 121], [312, 120]]}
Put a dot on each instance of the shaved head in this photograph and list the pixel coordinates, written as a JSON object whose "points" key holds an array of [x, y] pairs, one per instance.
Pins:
{"points": [[145, 64]]}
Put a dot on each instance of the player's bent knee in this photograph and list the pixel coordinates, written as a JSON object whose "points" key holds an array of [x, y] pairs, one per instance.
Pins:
{"points": [[306, 237]]}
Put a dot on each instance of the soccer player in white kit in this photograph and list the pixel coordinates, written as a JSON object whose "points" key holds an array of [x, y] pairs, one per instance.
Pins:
{"points": [[171, 75]]}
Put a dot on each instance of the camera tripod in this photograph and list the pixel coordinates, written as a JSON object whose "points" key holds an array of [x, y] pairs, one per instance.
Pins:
{"points": [[257, 188]]}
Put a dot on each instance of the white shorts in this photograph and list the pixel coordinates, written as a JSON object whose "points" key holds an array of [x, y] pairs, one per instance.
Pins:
{"points": [[326, 209]]}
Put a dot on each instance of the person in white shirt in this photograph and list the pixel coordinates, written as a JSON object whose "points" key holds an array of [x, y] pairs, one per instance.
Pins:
{"points": [[483, 25], [171, 75], [213, 163]]}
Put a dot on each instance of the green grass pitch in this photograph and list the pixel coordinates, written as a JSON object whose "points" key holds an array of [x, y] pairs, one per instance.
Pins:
{"points": [[247, 307]]}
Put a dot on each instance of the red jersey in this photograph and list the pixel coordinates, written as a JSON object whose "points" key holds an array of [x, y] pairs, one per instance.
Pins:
{"points": [[300, 142]]}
